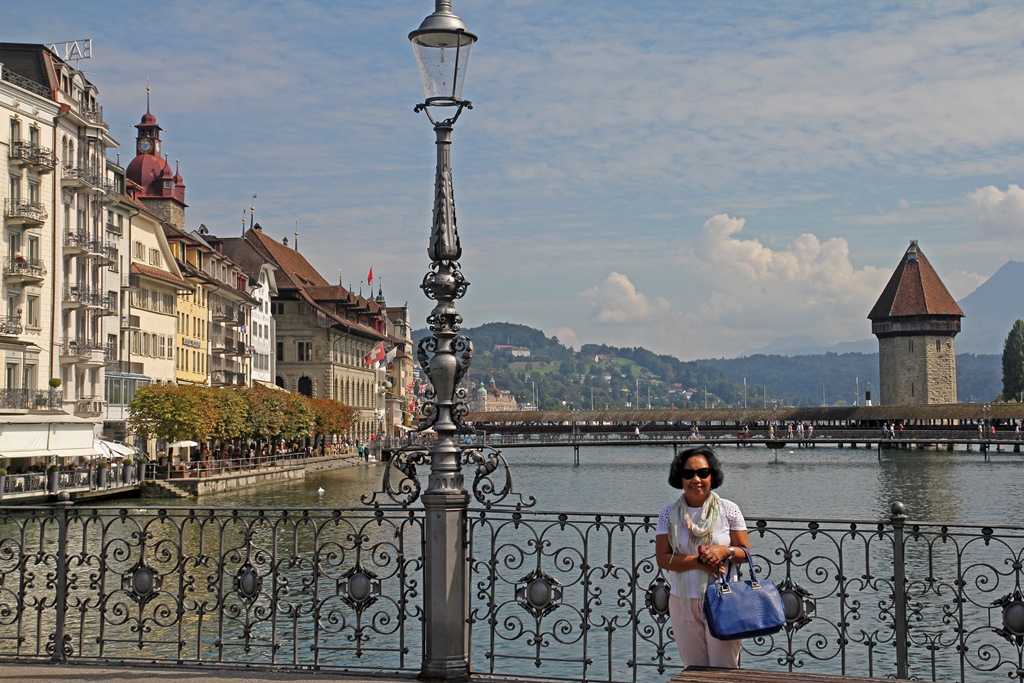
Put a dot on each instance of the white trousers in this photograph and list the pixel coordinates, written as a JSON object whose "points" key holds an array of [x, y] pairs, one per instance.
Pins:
{"points": [[697, 647]]}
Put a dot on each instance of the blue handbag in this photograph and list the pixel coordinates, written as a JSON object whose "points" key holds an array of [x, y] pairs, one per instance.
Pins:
{"points": [[743, 609]]}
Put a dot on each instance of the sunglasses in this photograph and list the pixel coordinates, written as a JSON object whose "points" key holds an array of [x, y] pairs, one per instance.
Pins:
{"points": [[703, 473]]}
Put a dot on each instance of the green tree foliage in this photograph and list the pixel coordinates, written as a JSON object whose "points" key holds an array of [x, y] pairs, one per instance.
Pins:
{"points": [[1013, 363], [173, 412], [231, 414], [299, 419], [229, 424]]}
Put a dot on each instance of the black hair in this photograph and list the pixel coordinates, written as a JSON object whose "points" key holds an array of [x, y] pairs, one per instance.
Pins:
{"points": [[675, 472]]}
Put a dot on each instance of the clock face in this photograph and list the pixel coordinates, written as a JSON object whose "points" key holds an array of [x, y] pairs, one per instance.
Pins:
{"points": [[145, 146]]}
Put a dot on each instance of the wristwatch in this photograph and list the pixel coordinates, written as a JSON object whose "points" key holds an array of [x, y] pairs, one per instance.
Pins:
{"points": [[732, 553]]}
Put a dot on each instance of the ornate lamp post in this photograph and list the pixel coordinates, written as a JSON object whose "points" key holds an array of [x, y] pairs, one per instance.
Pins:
{"points": [[442, 46]]}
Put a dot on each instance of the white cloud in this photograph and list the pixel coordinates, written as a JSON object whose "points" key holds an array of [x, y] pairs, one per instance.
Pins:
{"points": [[617, 302], [566, 336], [997, 213], [748, 294], [960, 283]]}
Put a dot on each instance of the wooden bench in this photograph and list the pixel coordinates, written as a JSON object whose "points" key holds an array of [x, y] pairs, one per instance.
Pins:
{"points": [[700, 674]]}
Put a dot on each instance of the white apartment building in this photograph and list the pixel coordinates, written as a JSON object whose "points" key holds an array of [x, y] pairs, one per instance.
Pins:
{"points": [[29, 269]]}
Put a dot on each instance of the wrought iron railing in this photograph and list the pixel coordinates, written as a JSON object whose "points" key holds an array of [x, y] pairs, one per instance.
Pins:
{"points": [[42, 157], [558, 595], [24, 209], [25, 267], [10, 325], [26, 83], [285, 588]]}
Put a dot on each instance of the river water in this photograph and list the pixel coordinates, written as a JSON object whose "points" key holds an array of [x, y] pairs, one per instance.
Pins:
{"points": [[819, 483]]}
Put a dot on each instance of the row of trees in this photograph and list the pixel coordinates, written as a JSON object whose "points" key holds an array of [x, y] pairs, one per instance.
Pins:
{"points": [[232, 414]]}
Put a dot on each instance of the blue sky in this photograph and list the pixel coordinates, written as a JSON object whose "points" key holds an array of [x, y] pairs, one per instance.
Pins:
{"points": [[697, 178]]}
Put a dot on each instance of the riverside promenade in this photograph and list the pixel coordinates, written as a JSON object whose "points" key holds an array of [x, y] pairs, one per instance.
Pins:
{"points": [[45, 673]]}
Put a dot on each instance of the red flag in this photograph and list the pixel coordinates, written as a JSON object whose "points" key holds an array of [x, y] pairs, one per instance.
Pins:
{"points": [[375, 355], [369, 276]]}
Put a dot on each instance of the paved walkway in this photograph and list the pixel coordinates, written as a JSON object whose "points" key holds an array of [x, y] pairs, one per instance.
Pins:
{"points": [[48, 673]]}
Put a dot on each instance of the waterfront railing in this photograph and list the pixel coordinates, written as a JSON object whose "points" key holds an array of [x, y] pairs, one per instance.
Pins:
{"points": [[558, 595]]}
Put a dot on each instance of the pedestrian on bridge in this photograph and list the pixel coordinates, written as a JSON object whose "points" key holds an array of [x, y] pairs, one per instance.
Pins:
{"points": [[696, 537]]}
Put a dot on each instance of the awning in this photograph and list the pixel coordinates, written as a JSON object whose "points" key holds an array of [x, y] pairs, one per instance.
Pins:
{"points": [[79, 453], [118, 448], [28, 454]]}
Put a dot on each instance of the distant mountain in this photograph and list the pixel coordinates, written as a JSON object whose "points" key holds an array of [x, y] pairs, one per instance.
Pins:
{"points": [[990, 311], [802, 345]]}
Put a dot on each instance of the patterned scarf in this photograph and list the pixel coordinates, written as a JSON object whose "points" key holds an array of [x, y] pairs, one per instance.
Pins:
{"points": [[699, 533]]}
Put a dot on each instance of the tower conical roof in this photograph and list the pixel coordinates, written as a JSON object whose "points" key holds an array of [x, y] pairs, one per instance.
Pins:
{"points": [[914, 289]]}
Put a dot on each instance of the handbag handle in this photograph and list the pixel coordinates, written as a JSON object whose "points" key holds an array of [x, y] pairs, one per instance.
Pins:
{"points": [[755, 583]]}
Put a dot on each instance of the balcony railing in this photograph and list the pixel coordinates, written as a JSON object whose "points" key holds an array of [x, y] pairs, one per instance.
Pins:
{"points": [[92, 114], [80, 294], [10, 325], [82, 176], [25, 269], [77, 348], [108, 302], [41, 158], [26, 83], [110, 352], [103, 250], [89, 406], [20, 211], [224, 314], [30, 399], [114, 228], [77, 241]]}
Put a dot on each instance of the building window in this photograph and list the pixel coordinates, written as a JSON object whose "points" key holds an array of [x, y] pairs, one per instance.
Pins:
{"points": [[305, 351], [15, 131], [32, 311], [277, 308], [911, 345], [280, 351], [138, 251], [938, 345], [154, 257]]}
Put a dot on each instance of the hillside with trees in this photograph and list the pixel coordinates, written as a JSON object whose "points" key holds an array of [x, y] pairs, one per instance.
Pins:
{"points": [[608, 377]]}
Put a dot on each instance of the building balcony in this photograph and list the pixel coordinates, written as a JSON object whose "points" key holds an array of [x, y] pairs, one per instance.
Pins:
{"points": [[245, 351], [24, 270], [40, 159], [114, 228], [227, 378], [10, 326], [76, 243], [24, 213], [110, 194], [77, 296], [105, 253], [82, 179], [88, 406], [74, 350], [222, 346], [224, 314], [97, 355], [108, 303], [14, 399], [130, 322], [110, 354], [235, 348]]}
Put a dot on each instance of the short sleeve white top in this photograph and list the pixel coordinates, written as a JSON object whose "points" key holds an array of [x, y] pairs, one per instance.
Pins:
{"points": [[731, 520]]}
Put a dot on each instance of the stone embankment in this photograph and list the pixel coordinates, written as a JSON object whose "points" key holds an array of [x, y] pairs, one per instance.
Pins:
{"points": [[194, 487]]}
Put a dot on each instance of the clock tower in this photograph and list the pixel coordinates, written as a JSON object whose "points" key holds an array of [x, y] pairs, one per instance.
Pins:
{"points": [[148, 139], [162, 189]]}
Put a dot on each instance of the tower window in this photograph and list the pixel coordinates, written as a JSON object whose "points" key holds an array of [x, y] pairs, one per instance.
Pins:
{"points": [[938, 345], [911, 345]]}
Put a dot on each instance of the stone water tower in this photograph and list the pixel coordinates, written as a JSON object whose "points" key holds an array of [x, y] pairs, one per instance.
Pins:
{"points": [[916, 320]]}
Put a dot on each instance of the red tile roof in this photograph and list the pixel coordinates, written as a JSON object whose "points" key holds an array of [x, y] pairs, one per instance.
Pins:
{"points": [[914, 289], [157, 274]]}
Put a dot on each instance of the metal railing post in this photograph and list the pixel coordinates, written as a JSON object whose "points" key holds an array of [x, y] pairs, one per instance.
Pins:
{"points": [[899, 589], [61, 582]]}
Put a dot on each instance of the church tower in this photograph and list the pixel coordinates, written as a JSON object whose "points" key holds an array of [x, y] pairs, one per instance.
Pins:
{"points": [[916, 320], [163, 190]]}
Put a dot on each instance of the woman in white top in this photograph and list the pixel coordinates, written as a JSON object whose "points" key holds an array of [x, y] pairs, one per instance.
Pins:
{"points": [[697, 536]]}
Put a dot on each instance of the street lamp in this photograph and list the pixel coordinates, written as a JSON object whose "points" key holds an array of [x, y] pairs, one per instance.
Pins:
{"points": [[442, 46]]}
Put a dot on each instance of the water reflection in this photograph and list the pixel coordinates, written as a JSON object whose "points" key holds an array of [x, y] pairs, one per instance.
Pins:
{"points": [[958, 487]]}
